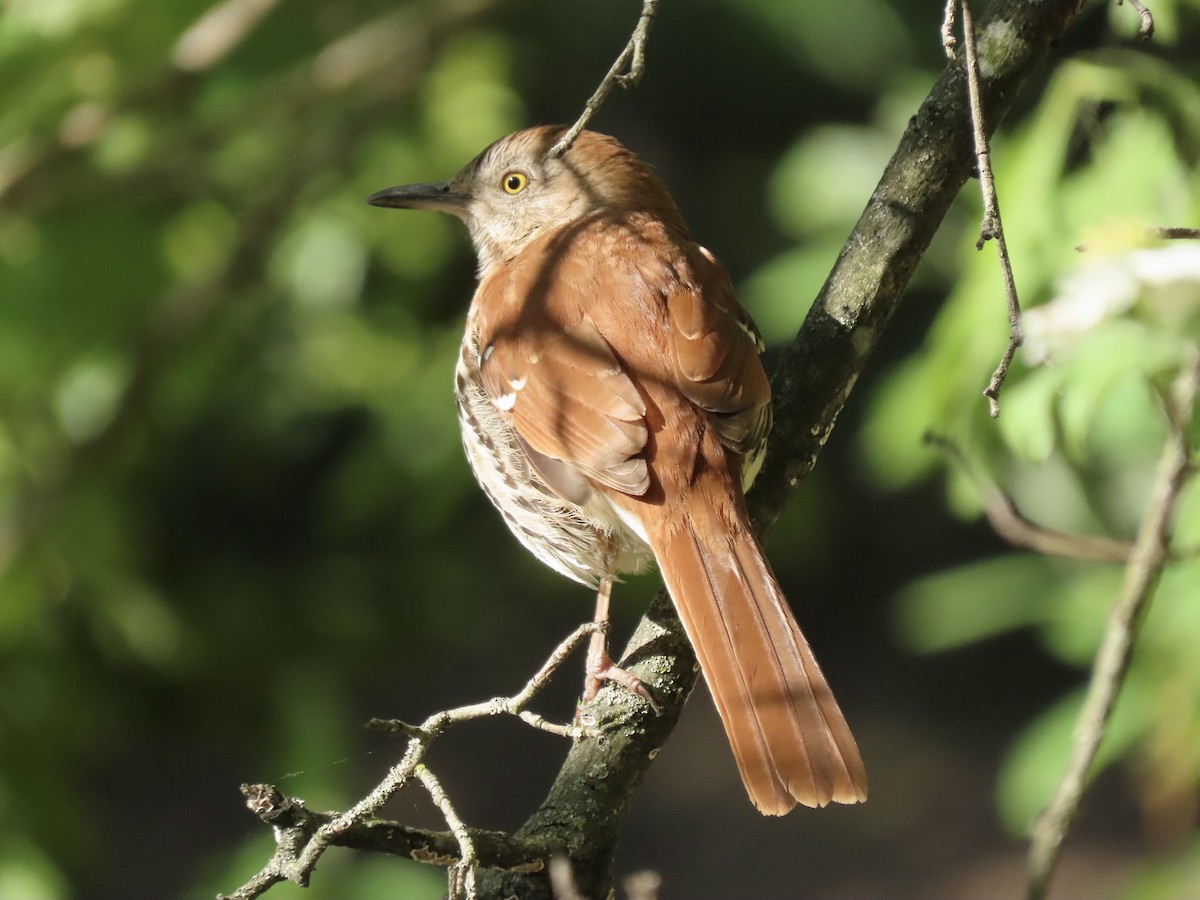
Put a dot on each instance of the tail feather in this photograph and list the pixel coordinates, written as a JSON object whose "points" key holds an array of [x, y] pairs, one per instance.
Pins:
{"points": [[788, 735]]}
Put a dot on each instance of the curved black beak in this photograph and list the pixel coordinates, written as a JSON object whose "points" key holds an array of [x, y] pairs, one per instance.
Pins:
{"points": [[438, 195]]}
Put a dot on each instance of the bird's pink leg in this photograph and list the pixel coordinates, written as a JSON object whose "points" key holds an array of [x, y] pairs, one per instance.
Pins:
{"points": [[600, 666]]}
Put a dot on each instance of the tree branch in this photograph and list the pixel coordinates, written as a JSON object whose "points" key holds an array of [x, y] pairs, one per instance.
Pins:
{"points": [[934, 159], [302, 837], [1151, 552], [462, 873], [1146, 29], [1019, 530], [295, 825]]}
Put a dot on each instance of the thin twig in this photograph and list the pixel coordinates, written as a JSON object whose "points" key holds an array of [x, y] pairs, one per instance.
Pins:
{"points": [[1150, 554], [1010, 523], [948, 39], [418, 744], [283, 814], [493, 849], [542, 677], [562, 880], [1169, 233], [462, 873], [1146, 31], [395, 779], [259, 884], [991, 226], [511, 706], [296, 863], [1176, 234], [633, 56], [642, 885]]}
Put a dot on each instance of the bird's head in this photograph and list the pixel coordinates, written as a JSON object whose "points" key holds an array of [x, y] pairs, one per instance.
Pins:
{"points": [[515, 190]]}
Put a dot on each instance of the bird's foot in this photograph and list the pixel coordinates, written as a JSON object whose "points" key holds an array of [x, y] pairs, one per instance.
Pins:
{"points": [[601, 668]]}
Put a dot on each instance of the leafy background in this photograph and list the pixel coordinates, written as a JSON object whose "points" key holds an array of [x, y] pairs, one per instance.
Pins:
{"points": [[235, 521]]}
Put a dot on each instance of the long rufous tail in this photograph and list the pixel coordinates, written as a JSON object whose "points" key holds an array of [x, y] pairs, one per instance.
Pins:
{"points": [[789, 737]]}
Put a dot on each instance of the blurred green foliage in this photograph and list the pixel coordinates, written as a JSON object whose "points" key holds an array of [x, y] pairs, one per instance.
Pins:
{"points": [[1110, 152], [234, 516]]}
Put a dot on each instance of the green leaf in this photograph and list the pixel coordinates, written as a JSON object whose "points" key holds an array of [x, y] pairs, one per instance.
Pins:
{"points": [[818, 183], [1073, 626], [779, 293], [1027, 422], [976, 601]]}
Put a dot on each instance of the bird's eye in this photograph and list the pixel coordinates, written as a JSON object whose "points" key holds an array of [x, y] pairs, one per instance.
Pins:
{"points": [[514, 183]]}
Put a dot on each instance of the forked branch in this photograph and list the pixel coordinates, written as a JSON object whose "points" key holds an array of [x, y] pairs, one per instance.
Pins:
{"points": [[302, 836]]}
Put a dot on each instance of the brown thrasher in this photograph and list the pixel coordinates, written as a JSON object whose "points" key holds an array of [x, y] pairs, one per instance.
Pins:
{"points": [[611, 400]]}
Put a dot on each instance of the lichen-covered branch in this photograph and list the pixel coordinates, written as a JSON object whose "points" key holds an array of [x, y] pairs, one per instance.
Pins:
{"points": [[295, 824]]}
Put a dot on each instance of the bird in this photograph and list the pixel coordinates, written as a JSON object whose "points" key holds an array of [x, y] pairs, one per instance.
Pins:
{"points": [[614, 407]]}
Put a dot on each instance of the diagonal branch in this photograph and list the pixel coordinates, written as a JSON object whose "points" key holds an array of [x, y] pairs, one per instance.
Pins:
{"points": [[625, 71], [1014, 526], [1151, 552], [935, 158], [462, 873]]}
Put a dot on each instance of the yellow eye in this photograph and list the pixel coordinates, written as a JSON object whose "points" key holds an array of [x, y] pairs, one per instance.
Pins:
{"points": [[514, 183]]}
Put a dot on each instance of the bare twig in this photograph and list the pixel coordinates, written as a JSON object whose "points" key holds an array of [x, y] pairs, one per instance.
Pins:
{"points": [[1011, 524], [991, 226], [287, 817], [294, 824], [1169, 233], [642, 885], [462, 873], [625, 71], [295, 858], [260, 883], [1146, 31], [1150, 554], [948, 39], [1176, 234], [562, 880]]}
